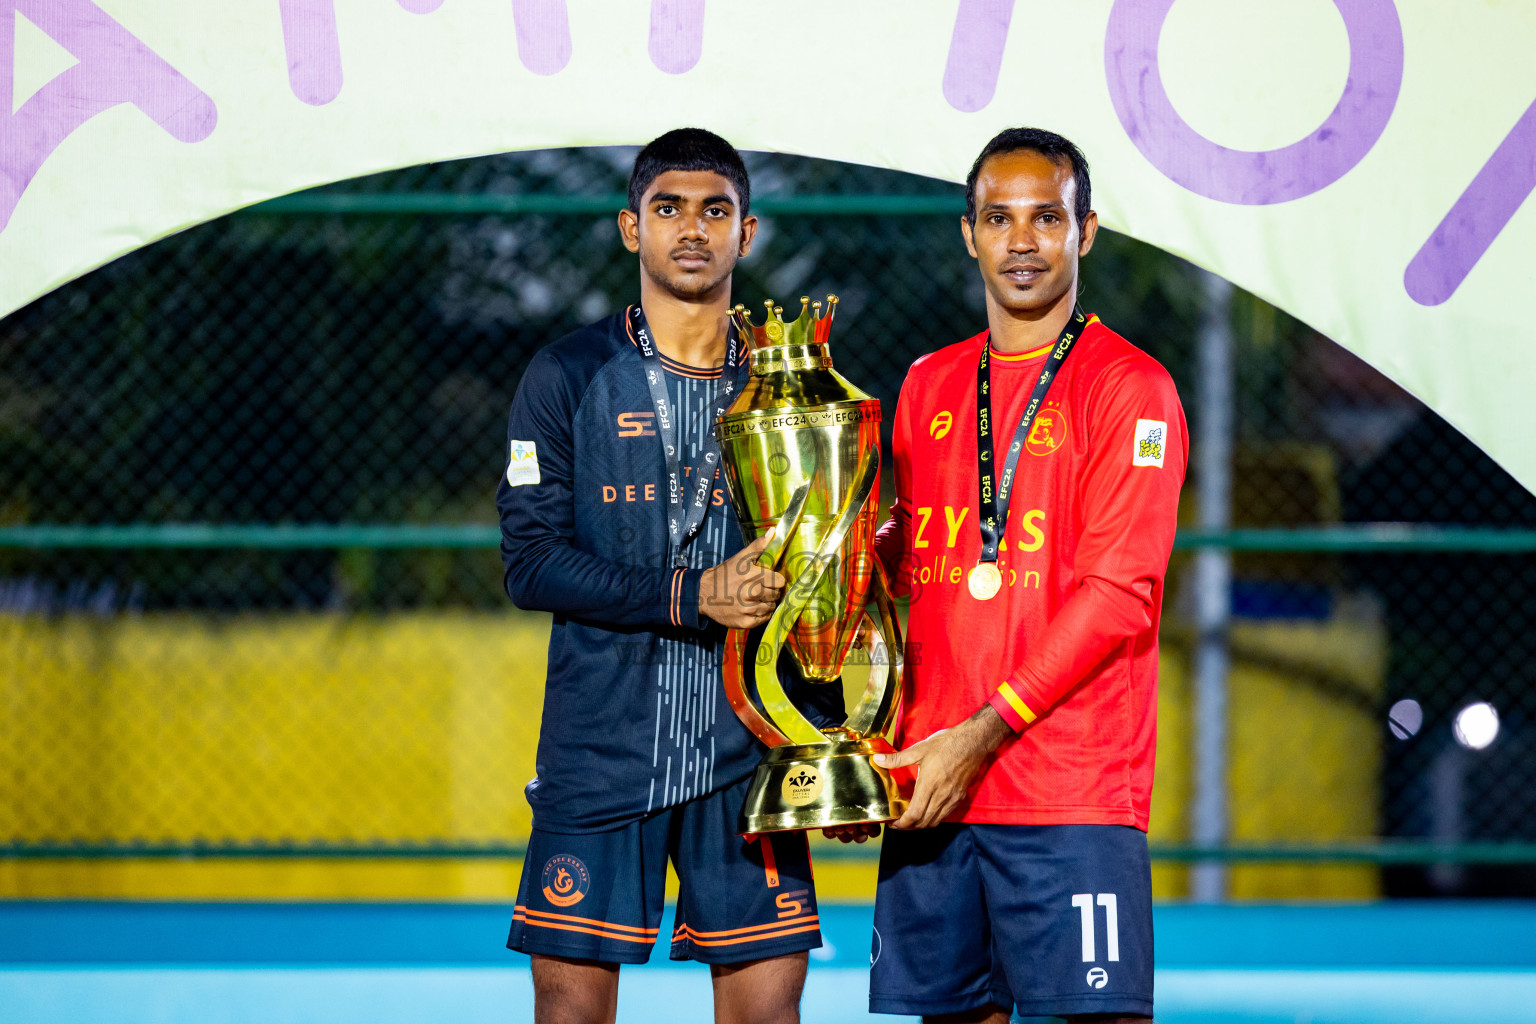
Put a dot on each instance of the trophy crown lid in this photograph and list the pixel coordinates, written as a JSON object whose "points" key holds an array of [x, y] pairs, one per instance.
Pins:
{"points": [[811, 327]]}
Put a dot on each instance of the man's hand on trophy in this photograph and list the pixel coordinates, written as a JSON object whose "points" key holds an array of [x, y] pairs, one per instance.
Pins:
{"points": [[738, 593], [946, 763], [852, 833]]}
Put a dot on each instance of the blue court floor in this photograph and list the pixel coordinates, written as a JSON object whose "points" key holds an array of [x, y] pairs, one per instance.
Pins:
{"points": [[169, 963]]}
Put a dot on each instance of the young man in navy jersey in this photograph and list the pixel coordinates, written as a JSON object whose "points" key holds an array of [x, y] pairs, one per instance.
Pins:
{"points": [[614, 517]]}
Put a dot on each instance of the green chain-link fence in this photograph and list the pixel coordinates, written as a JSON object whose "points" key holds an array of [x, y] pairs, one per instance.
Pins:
{"points": [[250, 599]]}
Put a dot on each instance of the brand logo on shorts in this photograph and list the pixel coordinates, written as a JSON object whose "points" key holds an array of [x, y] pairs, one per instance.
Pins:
{"points": [[792, 904], [1098, 977], [565, 880], [874, 948], [802, 785]]}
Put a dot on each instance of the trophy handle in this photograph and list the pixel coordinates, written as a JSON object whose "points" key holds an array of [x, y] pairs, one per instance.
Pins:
{"points": [[736, 639], [736, 694], [788, 522], [794, 725], [881, 702]]}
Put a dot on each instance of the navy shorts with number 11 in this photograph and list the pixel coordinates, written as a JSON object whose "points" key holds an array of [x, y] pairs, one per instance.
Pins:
{"points": [[1050, 920]]}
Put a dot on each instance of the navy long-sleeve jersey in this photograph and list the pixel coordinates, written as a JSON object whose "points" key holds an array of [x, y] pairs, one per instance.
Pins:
{"points": [[635, 716]]}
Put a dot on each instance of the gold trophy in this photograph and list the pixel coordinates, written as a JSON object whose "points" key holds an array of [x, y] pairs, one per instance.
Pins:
{"points": [[801, 449]]}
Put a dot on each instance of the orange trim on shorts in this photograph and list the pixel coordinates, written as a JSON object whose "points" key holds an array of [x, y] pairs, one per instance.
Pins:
{"points": [[570, 917], [648, 940], [798, 926], [604, 929], [685, 927]]}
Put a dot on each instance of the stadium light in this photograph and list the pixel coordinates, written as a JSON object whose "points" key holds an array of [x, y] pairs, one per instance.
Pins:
{"points": [[1405, 718], [1476, 725]]}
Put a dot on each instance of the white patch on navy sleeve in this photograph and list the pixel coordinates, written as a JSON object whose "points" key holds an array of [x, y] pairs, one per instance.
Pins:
{"points": [[523, 464]]}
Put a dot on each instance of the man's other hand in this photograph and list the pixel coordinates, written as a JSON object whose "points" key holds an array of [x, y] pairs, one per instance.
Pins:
{"points": [[852, 833], [946, 763], [738, 593]]}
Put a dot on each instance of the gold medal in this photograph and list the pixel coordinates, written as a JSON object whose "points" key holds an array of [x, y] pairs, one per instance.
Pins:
{"points": [[984, 581]]}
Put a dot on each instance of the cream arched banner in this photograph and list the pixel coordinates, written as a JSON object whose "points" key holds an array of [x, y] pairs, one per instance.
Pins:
{"points": [[1360, 163]]}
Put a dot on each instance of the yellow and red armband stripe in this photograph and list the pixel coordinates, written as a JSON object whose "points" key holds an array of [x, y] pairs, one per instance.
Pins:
{"points": [[1013, 709]]}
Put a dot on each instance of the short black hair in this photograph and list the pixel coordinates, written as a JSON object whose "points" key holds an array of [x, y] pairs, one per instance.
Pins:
{"points": [[1038, 140], [689, 149]]}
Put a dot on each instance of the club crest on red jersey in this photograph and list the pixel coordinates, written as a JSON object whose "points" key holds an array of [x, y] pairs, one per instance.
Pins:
{"points": [[1048, 433]]}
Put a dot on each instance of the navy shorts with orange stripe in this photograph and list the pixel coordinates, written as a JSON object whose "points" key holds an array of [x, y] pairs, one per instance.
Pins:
{"points": [[600, 895], [1045, 920]]}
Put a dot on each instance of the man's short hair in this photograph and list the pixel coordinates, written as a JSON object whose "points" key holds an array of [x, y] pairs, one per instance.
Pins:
{"points": [[1038, 140], [689, 149]]}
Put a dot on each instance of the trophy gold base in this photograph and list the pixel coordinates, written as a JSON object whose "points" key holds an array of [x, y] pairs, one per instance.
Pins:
{"points": [[823, 784]]}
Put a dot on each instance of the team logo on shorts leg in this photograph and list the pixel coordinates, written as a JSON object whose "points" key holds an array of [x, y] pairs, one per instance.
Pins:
{"points": [[802, 785], [565, 880]]}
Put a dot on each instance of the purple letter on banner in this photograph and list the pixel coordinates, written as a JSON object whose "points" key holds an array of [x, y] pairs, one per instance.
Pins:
{"points": [[1241, 176], [976, 53], [314, 46], [1477, 218], [543, 35], [314, 49], [677, 34], [114, 68]]}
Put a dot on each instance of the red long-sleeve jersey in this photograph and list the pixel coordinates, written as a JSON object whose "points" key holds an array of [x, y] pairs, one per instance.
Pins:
{"points": [[1067, 651]]}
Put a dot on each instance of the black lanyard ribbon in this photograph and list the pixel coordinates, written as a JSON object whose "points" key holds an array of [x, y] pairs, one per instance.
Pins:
{"points": [[994, 501], [683, 524]]}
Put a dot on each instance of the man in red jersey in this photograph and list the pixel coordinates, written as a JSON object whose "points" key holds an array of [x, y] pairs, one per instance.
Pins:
{"points": [[1038, 467]]}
